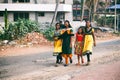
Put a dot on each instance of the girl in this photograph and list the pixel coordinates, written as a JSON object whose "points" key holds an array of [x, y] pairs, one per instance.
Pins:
{"points": [[79, 45], [57, 45], [67, 42], [89, 40]]}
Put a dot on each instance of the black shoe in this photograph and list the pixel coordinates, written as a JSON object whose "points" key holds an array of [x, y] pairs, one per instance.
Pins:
{"points": [[60, 62], [66, 65], [56, 65], [57, 61], [71, 61], [88, 63]]}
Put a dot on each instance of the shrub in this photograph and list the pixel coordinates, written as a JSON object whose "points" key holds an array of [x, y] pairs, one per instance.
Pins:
{"points": [[19, 29], [109, 21], [48, 33]]}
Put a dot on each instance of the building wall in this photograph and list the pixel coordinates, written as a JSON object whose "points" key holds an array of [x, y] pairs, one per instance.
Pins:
{"points": [[68, 16], [1, 19], [46, 1], [68, 1], [1, 1], [51, 1], [32, 16], [9, 1], [48, 15], [47, 18], [10, 17]]}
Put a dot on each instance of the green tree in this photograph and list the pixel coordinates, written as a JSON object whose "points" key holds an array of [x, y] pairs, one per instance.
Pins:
{"points": [[92, 7]]}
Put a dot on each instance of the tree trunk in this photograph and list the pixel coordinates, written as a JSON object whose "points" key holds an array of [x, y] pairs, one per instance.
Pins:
{"points": [[55, 14], [95, 3], [36, 14], [90, 10], [82, 11]]}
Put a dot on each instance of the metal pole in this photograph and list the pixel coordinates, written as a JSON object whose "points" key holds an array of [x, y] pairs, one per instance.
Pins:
{"points": [[115, 19], [118, 22]]}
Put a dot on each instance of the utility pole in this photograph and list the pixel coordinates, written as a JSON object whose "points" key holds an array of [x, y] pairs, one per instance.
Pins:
{"points": [[115, 19], [117, 23]]}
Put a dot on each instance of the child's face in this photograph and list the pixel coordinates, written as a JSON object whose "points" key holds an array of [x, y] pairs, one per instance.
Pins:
{"points": [[58, 26], [80, 30]]}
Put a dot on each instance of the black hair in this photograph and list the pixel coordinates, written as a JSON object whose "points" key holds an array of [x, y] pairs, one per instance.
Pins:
{"points": [[78, 30], [60, 22], [90, 23], [56, 25], [68, 23]]}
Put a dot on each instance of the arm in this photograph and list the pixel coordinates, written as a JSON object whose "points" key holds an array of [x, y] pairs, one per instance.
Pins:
{"points": [[94, 38], [75, 41], [71, 33], [71, 42], [62, 35]]}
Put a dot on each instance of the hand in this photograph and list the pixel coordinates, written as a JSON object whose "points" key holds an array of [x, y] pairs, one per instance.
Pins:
{"points": [[74, 46], [56, 38], [74, 52], [70, 45], [94, 44]]}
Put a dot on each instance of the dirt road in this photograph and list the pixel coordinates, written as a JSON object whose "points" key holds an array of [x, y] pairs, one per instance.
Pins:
{"points": [[105, 59]]}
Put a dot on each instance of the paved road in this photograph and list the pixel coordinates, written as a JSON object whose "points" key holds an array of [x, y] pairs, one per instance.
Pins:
{"points": [[17, 65]]}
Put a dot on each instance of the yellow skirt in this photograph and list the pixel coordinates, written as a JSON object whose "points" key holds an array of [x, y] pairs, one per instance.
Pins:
{"points": [[57, 47], [88, 44]]}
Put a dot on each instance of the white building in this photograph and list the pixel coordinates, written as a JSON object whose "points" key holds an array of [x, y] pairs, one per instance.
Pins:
{"points": [[38, 10]]}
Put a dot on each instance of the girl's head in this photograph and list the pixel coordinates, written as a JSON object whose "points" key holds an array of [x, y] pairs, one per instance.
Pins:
{"points": [[88, 24], [80, 30], [67, 24], [57, 25]]}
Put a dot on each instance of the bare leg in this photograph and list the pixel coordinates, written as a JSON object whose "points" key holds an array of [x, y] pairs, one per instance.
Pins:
{"points": [[66, 61], [82, 60], [78, 57], [70, 57]]}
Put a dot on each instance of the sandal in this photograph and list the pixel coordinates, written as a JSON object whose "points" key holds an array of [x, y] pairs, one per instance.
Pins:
{"points": [[82, 61], [77, 64]]}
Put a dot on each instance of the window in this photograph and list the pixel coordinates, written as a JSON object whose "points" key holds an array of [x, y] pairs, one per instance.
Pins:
{"points": [[41, 14], [5, 1], [86, 13], [21, 15], [76, 12], [62, 1], [1, 13], [76, 15], [76, 1], [21, 1], [60, 16]]}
